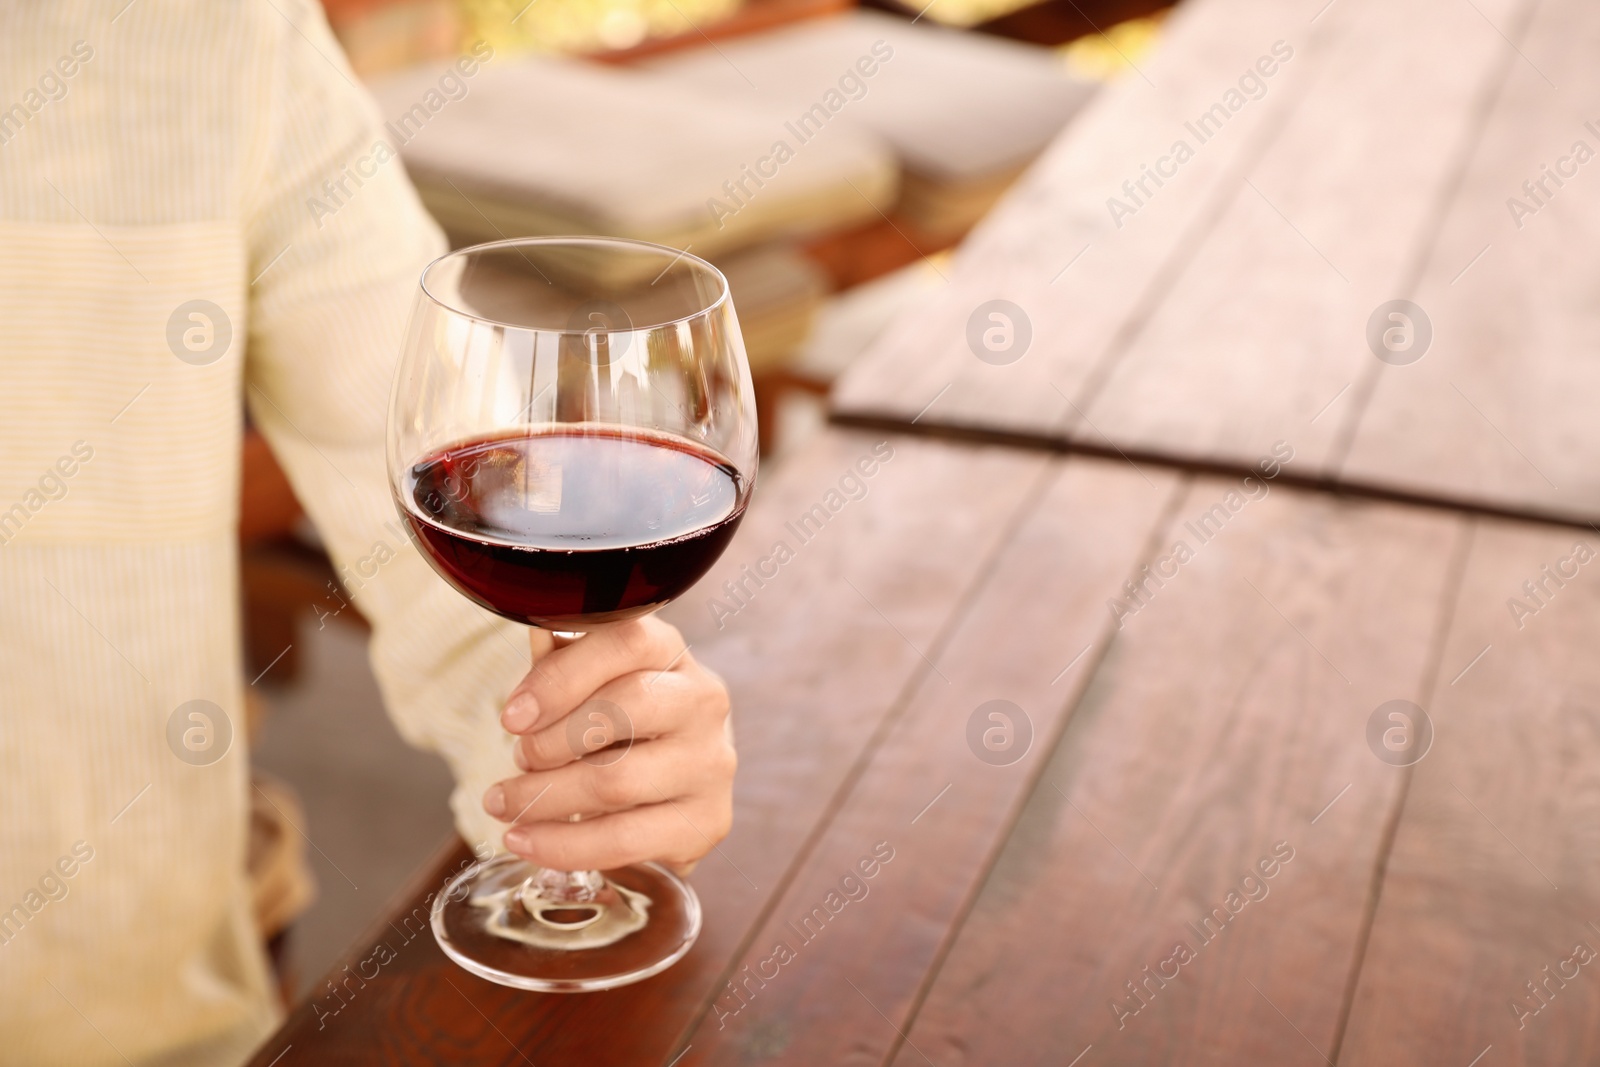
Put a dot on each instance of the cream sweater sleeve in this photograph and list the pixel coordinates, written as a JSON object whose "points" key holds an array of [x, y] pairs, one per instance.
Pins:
{"points": [[337, 240]]}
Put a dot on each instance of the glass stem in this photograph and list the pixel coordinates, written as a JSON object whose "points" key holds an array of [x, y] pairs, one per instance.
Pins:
{"points": [[566, 887]]}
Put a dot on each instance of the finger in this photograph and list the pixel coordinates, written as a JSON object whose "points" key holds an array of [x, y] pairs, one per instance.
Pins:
{"points": [[638, 707], [565, 677], [647, 773], [676, 833]]}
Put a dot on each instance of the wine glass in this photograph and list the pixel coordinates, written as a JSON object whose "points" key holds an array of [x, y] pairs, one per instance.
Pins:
{"points": [[572, 442]]}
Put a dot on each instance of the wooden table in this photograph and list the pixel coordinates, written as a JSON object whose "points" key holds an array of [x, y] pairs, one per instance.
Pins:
{"points": [[1228, 308], [1222, 726], [1198, 834]]}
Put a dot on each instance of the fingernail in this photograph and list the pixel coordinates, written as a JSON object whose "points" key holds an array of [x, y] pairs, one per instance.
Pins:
{"points": [[494, 801], [520, 758], [516, 840], [520, 714]]}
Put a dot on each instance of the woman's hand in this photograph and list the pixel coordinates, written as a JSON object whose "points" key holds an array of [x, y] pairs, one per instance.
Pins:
{"points": [[624, 728]]}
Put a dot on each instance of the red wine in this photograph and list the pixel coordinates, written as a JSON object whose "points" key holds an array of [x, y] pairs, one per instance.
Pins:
{"points": [[574, 526]]}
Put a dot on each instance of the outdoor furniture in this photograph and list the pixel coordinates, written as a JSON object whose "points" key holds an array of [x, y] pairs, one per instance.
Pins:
{"points": [[545, 145], [548, 146], [963, 113], [1198, 828]]}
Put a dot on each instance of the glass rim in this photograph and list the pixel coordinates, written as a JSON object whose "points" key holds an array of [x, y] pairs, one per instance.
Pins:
{"points": [[676, 255]]}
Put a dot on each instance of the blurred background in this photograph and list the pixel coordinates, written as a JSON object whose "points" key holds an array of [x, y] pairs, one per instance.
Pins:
{"points": [[827, 171]]}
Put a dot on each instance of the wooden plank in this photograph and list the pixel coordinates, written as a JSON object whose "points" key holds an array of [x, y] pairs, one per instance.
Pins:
{"points": [[1488, 414], [841, 953], [1263, 338], [1228, 716], [1242, 318], [813, 671], [1053, 248], [1504, 809]]}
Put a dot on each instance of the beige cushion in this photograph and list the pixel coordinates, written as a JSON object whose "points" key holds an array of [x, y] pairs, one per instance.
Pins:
{"points": [[545, 145], [964, 112]]}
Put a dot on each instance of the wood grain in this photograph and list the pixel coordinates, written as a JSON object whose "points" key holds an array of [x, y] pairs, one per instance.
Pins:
{"points": [[813, 671], [841, 958], [1495, 872], [1232, 310], [1266, 328], [1229, 713], [1053, 248], [1491, 412]]}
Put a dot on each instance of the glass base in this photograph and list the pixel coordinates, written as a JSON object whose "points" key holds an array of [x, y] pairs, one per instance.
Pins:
{"points": [[491, 921]]}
